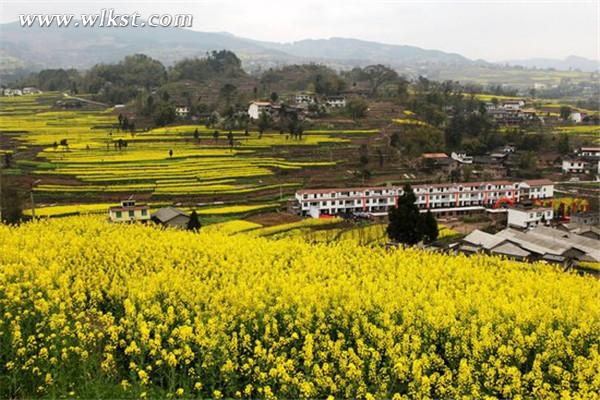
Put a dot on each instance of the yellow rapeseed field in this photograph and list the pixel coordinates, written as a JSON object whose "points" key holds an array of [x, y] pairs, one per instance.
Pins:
{"points": [[90, 309]]}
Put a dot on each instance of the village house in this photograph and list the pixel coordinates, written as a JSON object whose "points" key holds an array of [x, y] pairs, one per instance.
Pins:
{"points": [[129, 211], [438, 161], [12, 92], [182, 111], [335, 101], [31, 90], [305, 98], [461, 157], [525, 218], [256, 108], [586, 160], [171, 217]]}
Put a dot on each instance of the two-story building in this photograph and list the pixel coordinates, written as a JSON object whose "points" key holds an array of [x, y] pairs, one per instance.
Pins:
{"points": [[525, 218], [129, 211], [335, 101], [443, 198]]}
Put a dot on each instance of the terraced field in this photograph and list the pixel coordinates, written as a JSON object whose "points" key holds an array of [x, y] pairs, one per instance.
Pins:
{"points": [[81, 153]]}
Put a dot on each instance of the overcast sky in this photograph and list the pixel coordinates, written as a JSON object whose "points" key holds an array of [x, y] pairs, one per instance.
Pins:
{"points": [[492, 30]]}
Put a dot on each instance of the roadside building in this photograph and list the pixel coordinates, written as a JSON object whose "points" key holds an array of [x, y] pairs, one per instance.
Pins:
{"points": [[129, 211], [171, 217]]}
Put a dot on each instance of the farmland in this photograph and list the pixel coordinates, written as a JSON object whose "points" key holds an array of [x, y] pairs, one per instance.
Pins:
{"points": [[82, 157], [178, 314]]}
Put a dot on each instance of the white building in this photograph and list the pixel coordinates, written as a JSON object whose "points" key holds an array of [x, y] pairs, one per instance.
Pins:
{"points": [[31, 90], [462, 157], [580, 165], [513, 105], [12, 92], [335, 101], [182, 111], [128, 211], [529, 217], [589, 151], [258, 107], [304, 98], [575, 117], [444, 198]]}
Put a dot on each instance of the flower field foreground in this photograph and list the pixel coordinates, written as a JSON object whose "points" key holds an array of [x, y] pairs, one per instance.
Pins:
{"points": [[90, 309]]}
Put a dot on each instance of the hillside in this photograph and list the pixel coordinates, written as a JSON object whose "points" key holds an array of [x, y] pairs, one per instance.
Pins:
{"points": [[127, 311]]}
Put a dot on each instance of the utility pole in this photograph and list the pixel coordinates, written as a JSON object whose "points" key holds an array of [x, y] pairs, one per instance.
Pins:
{"points": [[32, 199]]}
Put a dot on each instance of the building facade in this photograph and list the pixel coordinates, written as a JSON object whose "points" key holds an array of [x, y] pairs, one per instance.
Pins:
{"points": [[258, 107], [443, 199], [128, 211], [529, 217]]}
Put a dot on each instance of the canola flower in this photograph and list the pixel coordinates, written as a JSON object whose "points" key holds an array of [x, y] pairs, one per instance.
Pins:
{"points": [[86, 305]]}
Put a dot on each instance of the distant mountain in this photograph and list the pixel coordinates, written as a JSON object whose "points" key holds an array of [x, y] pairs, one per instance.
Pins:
{"points": [[35, 48], [361, 50], [571, 62]]}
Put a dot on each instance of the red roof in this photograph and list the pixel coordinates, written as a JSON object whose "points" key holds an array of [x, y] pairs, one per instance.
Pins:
{"points": [[434, 155]]}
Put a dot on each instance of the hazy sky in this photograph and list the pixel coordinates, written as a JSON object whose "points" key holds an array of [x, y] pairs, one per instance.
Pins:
{"points": [[492, 30]]}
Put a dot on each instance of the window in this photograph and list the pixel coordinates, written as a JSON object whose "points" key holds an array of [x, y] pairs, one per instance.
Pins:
{"points": [[119, 214], [144, 212], [131, 214]]}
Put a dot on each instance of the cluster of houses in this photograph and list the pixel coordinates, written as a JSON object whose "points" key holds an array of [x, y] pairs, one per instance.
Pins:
{"points": [[495, 163], [9, 92], [515, 112], [443, 199], [300, 103], [540, 243], [585, 160]]}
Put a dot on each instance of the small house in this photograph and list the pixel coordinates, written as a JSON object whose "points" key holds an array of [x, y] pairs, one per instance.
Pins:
{"points": [[182, 111], [171, 217], [256, 108], [129, 211]]}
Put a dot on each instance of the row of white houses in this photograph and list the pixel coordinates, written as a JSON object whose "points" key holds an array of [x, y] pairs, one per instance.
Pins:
{"points": [[444, 198]]}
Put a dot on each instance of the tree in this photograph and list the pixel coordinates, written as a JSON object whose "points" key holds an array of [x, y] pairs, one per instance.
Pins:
{"points": [[404, 219], [379, 75], [357, 108], [11, 203], [216, 135], [430, 227], [565, 112], [194, 222], [170, 152], [196, 134], [563, 144], [163, 114], [274, 97], [264, 122]]}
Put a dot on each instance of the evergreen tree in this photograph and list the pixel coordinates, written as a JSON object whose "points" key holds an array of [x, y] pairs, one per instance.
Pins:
{"points": [[405, 220], [430, 227], [194, 222]]}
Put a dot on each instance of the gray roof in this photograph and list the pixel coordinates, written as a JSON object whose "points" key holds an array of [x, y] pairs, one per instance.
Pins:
{"points": [[166, 214], [483, 239], [534, 243], [587, 245], [510, 249]]}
